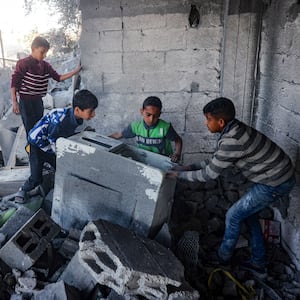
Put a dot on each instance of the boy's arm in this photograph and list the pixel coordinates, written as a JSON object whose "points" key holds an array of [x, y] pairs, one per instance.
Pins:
{"points": [[116, 135], [176, 156], [70, 74], [15, 104]]}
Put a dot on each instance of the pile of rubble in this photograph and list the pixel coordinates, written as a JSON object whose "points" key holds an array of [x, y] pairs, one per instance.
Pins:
{"points": [[40, 260], [197, 227]]}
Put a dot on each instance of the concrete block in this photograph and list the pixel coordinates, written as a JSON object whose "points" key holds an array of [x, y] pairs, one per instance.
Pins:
{"points": [[89, 9], [29, 243], [207, 80], [174, 102], [16, 221], [134, 192], [100, 62], [102, 24], [166, 82], [132, 40], [109, 251], [143, 62], [122, 83], [111, 41], [190, 60], [282, 66], [144, 21], [78, 276], [177, 20], [204, 38], [176, 119], [162, 40]]}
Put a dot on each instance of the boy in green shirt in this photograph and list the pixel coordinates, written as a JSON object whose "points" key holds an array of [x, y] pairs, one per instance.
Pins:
{"points": [[152, 133]]}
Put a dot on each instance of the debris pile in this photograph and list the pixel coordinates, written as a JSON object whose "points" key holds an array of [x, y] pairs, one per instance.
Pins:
{"points": [[197, 227]]}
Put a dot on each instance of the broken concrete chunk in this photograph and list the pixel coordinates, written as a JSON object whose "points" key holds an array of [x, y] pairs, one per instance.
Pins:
{"points": [[127, 263], [29, 242], [78, 276]]}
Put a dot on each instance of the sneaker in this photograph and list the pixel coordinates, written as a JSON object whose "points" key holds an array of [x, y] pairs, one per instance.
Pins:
{"points": [[257, 271], [20, 196]]}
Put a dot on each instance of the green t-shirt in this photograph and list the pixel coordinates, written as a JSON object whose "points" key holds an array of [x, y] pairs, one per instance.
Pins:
{"points": [[155, 139]]}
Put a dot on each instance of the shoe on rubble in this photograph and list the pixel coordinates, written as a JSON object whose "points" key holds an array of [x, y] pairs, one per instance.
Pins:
{"points": [[257, 271], [20, 196]]}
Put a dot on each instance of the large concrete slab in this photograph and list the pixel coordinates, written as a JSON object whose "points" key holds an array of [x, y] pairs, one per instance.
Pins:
{"points": [[101, 178]]}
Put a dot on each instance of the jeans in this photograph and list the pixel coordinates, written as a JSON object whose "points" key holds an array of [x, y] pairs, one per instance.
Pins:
{"points": [[245, 210], [37, 158]]}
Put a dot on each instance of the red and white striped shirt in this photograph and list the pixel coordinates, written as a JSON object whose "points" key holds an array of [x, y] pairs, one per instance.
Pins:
{"points": [[31, 77]]}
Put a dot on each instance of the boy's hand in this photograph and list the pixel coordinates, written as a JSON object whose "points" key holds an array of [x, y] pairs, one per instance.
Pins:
{"points": [[15, 107], [175, 157]]}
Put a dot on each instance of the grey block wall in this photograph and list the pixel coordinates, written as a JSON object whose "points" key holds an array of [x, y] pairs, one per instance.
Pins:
{"points": [[133, 49], [277, 103]]}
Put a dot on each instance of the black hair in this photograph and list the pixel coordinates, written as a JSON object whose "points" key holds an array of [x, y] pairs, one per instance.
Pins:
{"points": [[152, 101], [40, 42], [84, 99], [220, 108]]}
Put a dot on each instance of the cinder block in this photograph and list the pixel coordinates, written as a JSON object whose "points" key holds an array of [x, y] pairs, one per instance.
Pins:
{"points": [[144, 21], [132, 40], [162, 40], [98, 177], [16, 221], [144, 62], [166, 82], [111, 41], [122, 83], [204, 38], [128, 263], [29, 243]]}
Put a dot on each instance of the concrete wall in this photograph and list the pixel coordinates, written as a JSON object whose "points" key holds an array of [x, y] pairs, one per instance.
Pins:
{"points": [[278, 105], [133, 49]]}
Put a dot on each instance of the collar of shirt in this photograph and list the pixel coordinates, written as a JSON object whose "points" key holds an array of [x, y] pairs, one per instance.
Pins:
{"points": [[150, 127]]}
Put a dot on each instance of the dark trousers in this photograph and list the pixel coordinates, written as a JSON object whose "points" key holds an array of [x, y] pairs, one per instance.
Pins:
{"points": [[37, 158], [31, 111]]}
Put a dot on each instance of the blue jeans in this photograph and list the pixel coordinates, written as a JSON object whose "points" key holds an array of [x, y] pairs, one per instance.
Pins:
{"points": [[244, 210]]}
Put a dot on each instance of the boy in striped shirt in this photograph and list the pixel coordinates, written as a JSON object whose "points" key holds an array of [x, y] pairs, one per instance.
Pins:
{"points": [[260, 160], [30, 81]]}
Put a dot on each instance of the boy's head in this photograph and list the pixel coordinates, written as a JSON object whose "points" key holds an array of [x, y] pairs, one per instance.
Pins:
{"points": [[39, 48], [218, 113], [84, 104], [151, 110]]}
